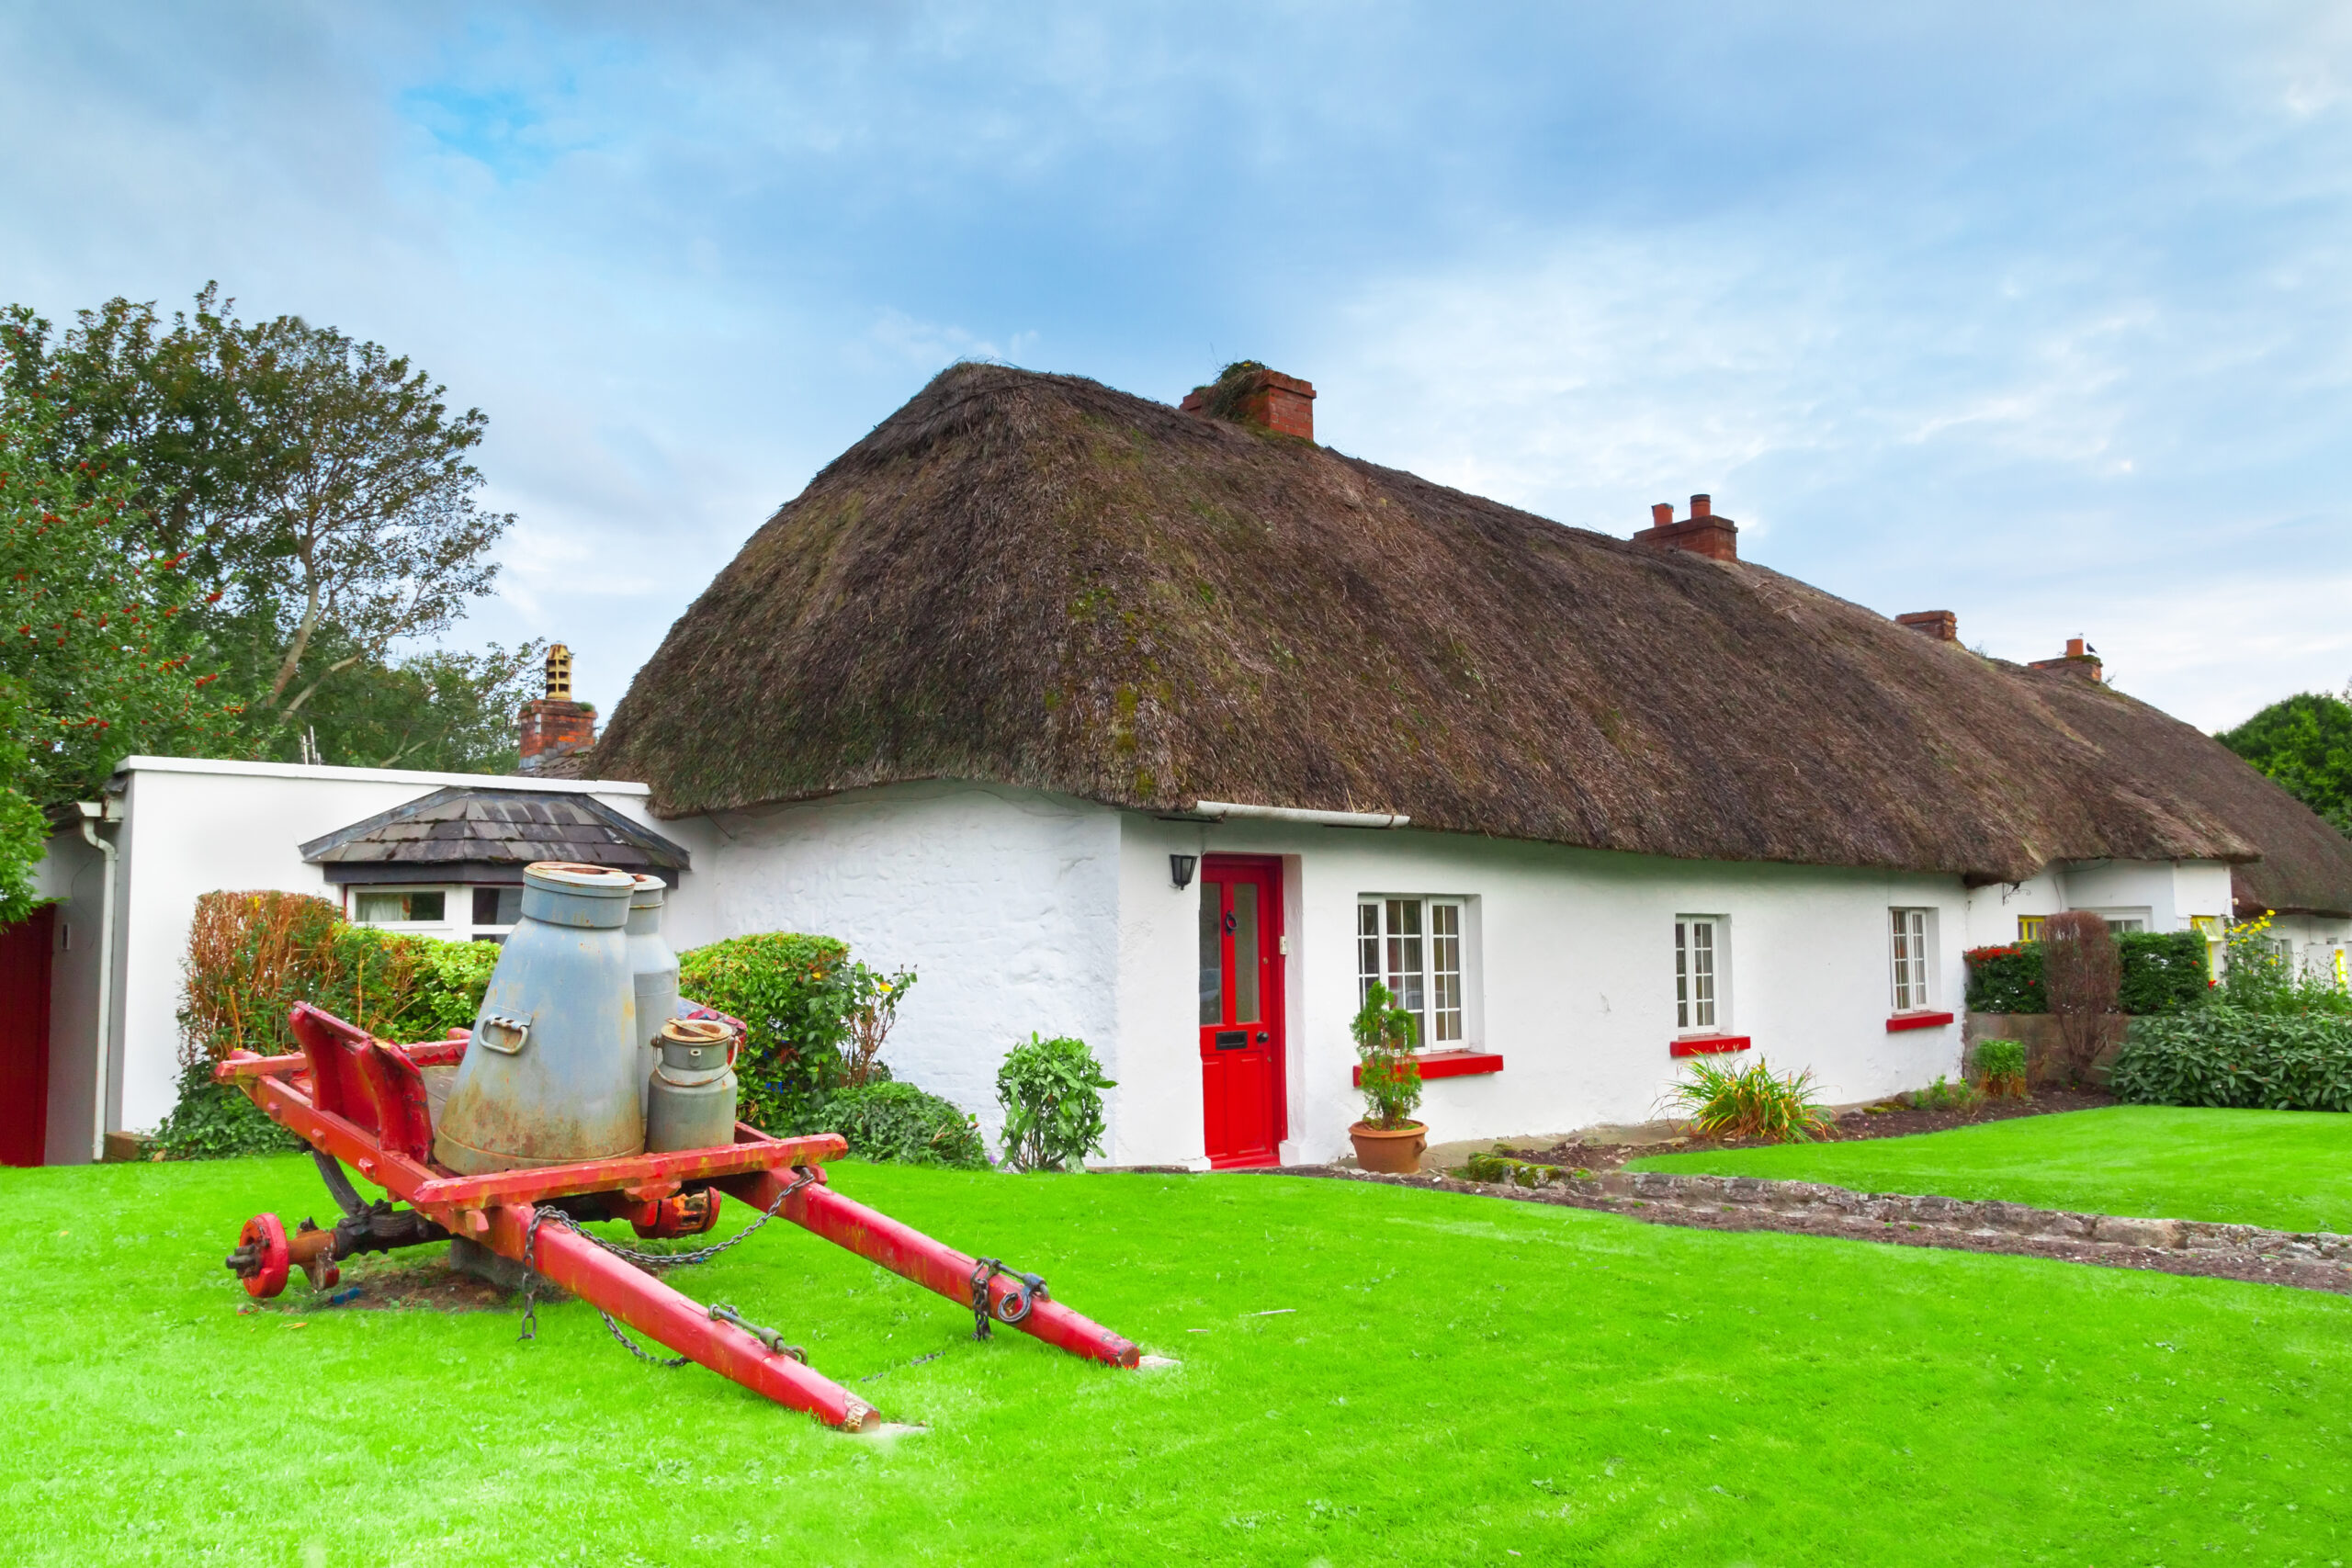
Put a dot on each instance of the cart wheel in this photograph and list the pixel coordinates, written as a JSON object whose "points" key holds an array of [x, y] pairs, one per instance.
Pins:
{"points": [[262, 1259]]}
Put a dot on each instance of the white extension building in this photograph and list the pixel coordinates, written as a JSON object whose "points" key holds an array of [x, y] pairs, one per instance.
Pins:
{"points": [[1174, 731]]}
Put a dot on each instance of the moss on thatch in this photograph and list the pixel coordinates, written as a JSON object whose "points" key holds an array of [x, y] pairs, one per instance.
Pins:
{"points": [[1037, 581]]}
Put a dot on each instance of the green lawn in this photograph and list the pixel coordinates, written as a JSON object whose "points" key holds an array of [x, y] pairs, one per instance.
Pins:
{"points": [[1458, 1378], [2291, 1169]]}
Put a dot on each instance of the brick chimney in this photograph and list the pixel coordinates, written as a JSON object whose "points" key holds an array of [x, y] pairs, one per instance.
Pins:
{"points": [[1702, 533], [1941, 624], [1250, 393], [555, 725], [2080, 659]]}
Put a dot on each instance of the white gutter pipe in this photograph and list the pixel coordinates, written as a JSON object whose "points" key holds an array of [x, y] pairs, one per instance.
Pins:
{"points": [[1225, 809], [93, 812]]}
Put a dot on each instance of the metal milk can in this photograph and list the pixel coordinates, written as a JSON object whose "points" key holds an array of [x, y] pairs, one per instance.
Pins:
{"points": [[693, 1092], [551, 1073], [654, 969]]}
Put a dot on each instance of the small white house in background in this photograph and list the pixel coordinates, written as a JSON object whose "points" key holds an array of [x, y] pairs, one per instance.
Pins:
{"points": [[1174, 732], [180, 828]]}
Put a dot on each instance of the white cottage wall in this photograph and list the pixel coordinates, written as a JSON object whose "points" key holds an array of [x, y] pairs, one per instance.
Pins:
{"points": [[1004, 901], [1570, 977], [191, 827]]}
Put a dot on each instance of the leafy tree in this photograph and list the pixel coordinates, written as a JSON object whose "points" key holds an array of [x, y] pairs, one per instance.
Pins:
{"points": [[96, 660], [2305, 744], [449, 711], [319, 488]]}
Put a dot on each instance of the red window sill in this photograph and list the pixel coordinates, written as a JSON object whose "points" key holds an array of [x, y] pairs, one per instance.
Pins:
{"points": [[1903, 1021], [1708, 1044], [1452, 1064]]}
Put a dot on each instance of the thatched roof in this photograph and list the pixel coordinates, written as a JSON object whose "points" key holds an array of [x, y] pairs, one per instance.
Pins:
{"points": [[1037, 581], [465, 833]]}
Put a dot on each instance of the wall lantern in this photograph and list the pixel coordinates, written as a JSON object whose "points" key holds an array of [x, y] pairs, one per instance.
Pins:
{"points": [[1179, 869]]}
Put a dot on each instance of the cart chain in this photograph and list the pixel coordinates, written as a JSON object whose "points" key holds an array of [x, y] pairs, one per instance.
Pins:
{"points": [[1017, 1304], [801, 1177]]}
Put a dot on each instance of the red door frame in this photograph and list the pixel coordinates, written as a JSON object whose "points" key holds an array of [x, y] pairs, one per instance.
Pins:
{"points": [[1244, 1092], [23, 1036]]}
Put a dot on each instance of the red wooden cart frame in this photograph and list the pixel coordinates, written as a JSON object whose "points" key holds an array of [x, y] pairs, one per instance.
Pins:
{"points": [[362, 1100]]}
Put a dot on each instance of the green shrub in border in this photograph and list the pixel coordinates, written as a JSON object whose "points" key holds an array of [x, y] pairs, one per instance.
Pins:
{"points": [[899, 1122], [251, 957], [790, 992], [212, 1120], [2162, 971], [2005, 979], [2227, 1058], [1053, 1105], [2000, 1067]]}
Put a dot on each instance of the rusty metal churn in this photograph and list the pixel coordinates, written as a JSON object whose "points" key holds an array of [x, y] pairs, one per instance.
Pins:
{"points": [[551, 1074], [693, 1092], [653, 968]]}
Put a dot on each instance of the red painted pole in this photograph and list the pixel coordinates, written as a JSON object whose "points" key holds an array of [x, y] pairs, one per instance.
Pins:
{"points": [[653, 1309], [907, 1252]]}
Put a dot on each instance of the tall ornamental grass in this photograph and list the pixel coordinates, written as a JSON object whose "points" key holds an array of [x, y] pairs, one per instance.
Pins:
{"points": [[1750, 1102]]}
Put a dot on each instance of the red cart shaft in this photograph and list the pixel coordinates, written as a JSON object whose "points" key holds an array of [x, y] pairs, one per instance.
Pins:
{"points": [[662, 1314], [909, 1253]]}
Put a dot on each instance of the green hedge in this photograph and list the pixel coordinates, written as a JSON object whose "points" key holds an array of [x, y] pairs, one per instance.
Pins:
{"points": [[2227, 1057], [253, 955], [792, 993], [899, 1122], [2163, 972]]}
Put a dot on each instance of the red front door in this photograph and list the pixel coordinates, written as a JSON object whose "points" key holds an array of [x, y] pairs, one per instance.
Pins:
{"points": [[23, 1036], [1241, 1009]]}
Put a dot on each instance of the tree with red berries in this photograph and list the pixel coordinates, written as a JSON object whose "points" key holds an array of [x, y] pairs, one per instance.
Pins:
{"points": [[93, 661]]}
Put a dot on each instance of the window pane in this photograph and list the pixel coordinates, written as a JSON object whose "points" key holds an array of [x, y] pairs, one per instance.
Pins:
{"points": [[1445, 974], [1212, 952], [1245, 952], [497, 905], [1407, 967], [394, 908], [1703, 973], [1367, 948], [1681, 975], [1902, 960]]}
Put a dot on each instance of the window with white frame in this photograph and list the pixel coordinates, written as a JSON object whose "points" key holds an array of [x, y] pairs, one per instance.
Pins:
{"points": [[400, 906], [497, 910], [1699, 973], [1415, 947], [1913, 929], [478, 913]]}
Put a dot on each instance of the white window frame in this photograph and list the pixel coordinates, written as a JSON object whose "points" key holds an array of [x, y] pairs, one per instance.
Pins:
{"points": [[1701, 987], [1911, 959], [1399, 943], [477, 930], [2139, 920], [449, 895]]}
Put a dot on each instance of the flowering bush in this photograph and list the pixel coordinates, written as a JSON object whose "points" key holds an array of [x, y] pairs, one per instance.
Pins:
{"points": [[792, 993]]}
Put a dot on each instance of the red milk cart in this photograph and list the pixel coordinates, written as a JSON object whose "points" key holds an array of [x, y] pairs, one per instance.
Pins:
{"points": [[362, 1103]]}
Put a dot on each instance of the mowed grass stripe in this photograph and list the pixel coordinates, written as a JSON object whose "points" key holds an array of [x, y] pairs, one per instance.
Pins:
{"points": [[1460, 1378], [2288, 1169]]}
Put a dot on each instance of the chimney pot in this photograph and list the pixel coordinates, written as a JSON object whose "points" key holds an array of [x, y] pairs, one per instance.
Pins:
{"points": [[2074, 648], [1702, 533], [1250, 393], [1941, 624], [554, 725]]}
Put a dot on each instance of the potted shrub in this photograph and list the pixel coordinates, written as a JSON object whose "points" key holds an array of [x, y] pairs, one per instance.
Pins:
{"points": [[1388, 1138]]}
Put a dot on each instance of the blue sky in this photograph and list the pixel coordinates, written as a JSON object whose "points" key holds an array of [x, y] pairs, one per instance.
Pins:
{"points": [[2038, 314]]}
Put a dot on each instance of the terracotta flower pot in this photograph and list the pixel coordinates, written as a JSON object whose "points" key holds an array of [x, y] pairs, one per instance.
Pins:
{"points": [[1395, 1151]]}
